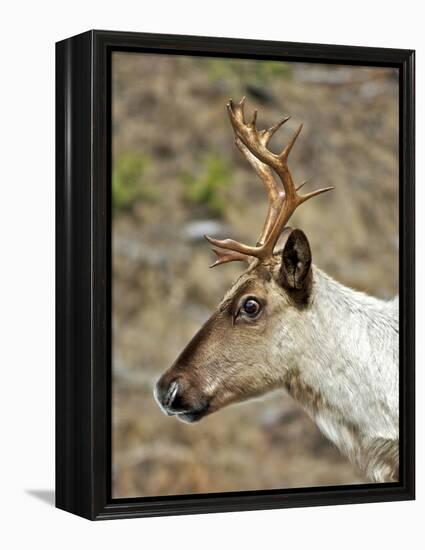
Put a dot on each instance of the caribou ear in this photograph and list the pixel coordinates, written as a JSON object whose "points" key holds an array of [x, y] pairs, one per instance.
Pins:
{"points": [[296, 260]]}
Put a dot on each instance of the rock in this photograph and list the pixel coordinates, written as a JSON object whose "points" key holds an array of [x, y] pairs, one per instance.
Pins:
{"points": [[195, 231]]}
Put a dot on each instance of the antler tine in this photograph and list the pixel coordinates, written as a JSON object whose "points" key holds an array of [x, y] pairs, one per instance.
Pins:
{"points": [[304, 198], [266, 135], [305, 182], [285, 153], [224, 257], [234, 246], [238, 109]]}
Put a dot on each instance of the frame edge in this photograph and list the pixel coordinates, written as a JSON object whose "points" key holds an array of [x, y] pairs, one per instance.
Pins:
{"points": [[74, 461]]}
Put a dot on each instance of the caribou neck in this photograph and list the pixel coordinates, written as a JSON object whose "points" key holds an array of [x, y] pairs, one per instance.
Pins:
{"points": [[346, 374]]}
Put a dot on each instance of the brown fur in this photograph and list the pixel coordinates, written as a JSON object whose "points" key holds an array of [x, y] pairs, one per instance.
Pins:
{"points": [[224, 363], [303, 393]]}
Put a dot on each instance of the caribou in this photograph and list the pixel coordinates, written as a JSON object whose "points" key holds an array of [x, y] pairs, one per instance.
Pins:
{"points": [[285, 324]]}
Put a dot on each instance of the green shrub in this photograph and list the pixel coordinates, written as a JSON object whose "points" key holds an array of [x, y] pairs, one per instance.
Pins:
{"points": [[129, 182], [205, 190]]}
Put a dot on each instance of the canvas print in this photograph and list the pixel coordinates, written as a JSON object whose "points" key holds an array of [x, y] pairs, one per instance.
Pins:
{"points": [[255, 321]]}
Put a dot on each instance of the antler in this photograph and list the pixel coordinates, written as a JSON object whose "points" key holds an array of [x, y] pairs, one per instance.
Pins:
{"points": [[282, 202]]}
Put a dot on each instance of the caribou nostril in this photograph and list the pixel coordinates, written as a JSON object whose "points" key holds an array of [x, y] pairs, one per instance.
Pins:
{"points": [[171, 394]]}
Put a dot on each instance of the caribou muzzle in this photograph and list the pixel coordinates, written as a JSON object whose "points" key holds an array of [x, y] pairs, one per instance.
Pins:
{"points": [[179, 397]]}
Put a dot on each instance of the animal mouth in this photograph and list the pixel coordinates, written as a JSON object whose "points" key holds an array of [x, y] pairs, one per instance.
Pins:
{"points": [[191, 416], [172, 404]]}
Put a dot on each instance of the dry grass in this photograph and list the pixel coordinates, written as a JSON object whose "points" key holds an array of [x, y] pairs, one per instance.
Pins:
{"points": [[172, 110]]}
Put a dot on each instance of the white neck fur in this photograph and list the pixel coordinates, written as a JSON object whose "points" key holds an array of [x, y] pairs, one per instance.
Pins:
{"points": [[347, 374]]}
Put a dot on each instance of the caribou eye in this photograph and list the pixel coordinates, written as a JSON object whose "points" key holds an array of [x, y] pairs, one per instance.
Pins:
{"points": [[251, 307]]}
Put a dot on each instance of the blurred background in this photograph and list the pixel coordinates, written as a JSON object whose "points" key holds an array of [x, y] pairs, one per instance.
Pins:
{"points": [[178, 175]]}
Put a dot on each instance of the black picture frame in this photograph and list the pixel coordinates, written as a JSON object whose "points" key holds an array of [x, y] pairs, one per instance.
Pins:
{"points": [[83, 275]]}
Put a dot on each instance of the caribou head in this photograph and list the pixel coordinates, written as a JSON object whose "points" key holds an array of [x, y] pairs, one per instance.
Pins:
{"points": [[248, 345]]}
